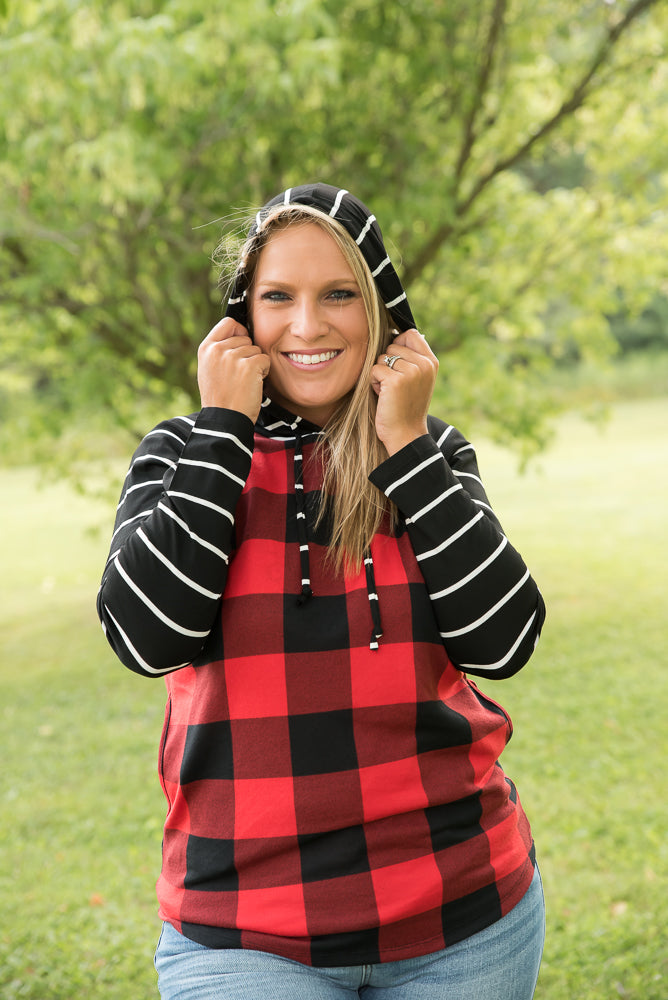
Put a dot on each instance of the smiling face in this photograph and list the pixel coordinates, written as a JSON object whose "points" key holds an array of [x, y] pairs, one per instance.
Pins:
{"points": [[308, 316]]}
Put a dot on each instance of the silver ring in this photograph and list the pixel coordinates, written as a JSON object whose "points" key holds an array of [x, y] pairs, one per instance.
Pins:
{"points": [[391, 360]]}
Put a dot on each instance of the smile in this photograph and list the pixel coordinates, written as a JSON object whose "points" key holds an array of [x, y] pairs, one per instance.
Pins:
{"points": [[311, 359]]}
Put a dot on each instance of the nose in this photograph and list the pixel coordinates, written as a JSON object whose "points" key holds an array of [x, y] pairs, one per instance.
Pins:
{"points": [[307, 321]]}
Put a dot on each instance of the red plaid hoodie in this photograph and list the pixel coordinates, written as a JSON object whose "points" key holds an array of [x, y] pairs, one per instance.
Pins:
{"points": [[331, 772]]}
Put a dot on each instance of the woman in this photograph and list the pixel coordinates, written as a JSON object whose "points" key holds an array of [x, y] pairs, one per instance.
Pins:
{"points": [[312, 562]]}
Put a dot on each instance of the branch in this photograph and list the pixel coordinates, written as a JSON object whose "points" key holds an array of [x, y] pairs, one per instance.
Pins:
{"points": [[32, 230], [470, 134], [576, 99]]}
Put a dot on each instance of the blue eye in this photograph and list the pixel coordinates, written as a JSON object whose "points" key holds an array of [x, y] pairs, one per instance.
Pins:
{"points": [[274, 296], [341, 294]]}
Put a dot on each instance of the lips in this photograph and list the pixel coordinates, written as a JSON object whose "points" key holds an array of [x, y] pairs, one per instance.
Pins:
{"points": [[311, 359]]}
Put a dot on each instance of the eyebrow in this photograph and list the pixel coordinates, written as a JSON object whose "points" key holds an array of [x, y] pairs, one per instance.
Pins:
{"points": [[288, 284]]}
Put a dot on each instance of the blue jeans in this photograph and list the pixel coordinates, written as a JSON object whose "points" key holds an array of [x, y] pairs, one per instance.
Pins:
{"points": [[499, 963]]}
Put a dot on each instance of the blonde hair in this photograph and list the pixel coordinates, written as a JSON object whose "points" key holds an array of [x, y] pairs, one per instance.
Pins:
{"points": [[349, 446]]}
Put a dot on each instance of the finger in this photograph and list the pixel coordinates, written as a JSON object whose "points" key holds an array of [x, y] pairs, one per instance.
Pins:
{"points": [[241, 345], [238, 345], [225, 329], [422, 359], [406, 336], [264, 365], [414, 341], [392, 361], [396, 359]]}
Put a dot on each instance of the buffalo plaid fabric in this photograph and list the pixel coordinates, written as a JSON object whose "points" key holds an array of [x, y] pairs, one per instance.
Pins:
{"points": [[327, 801]]}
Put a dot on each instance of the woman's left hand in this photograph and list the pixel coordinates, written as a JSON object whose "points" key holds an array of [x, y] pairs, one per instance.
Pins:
{"points": [[404, 390]]}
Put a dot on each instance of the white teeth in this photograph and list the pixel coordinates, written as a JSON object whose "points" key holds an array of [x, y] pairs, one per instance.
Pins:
{"points": [[312, 359]]}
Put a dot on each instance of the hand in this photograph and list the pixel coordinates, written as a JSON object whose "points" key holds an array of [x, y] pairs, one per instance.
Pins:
{"points": [[231, 369], [404, 391]]}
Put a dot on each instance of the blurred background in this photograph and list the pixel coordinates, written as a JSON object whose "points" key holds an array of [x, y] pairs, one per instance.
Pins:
{"points": [[514, 153]]}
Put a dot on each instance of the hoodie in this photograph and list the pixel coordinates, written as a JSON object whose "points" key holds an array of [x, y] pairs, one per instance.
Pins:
{"points": [[331, 799]]}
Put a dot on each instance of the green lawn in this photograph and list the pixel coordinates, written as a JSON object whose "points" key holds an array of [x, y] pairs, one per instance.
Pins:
{"points": [[80, 825], [591, 709]]}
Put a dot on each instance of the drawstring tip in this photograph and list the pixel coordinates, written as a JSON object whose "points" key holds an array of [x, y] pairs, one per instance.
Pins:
{"points": [[305, 595], [375, 636]]}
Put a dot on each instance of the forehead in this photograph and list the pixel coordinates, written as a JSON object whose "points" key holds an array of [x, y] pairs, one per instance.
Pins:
{"points": [[305, 248]]}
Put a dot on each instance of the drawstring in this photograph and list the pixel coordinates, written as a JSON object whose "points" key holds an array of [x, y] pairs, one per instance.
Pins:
{"points": [[301, 522], [373, 601], [304, 557]]}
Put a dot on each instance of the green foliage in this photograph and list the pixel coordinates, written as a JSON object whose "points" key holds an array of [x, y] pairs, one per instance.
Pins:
{"points": [[508, 148], [82, 808], [646, 332]]}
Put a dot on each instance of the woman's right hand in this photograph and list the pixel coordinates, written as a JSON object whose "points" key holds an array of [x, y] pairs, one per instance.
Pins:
{"points": [[231, 369]]}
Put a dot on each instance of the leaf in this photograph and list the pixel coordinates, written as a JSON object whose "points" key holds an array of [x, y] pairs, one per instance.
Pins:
{"points": [[509, 153]]}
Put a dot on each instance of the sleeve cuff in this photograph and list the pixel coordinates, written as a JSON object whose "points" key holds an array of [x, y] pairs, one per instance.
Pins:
{"points": [[217, 418], [403, 461]]}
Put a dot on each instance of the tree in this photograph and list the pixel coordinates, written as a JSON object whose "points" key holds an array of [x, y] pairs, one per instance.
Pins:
{"points": [[509, 149]]}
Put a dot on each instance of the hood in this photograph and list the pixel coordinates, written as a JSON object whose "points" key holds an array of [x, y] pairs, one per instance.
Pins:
{"points": [[364, 229]]}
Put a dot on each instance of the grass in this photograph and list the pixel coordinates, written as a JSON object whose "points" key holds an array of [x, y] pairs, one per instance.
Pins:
{"points": [[82, 810], [590, 709]]}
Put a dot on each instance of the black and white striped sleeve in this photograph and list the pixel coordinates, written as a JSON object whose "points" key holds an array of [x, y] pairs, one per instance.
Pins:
{"points": [[172, 538], [487, 606]]}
